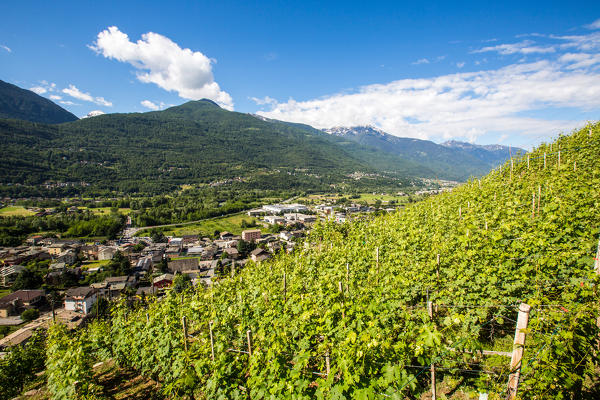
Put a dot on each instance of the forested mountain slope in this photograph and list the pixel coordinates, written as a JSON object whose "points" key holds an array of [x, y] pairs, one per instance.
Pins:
{"points": [[17, 103], [346, 317]]}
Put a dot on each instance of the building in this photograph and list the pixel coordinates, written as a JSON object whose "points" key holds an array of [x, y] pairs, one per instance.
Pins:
{"points": [[19, 300], [80, 299], [259, 254], [183, 264], [9, 273], [274, 219], [106, 253], [251, 235], [162, 281]]}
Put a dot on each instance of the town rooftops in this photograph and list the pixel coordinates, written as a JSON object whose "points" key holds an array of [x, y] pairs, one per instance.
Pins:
{"points": [[25, 296], [80, 293]]}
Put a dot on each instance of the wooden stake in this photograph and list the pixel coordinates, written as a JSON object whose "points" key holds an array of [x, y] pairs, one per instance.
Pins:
{"points": [[459, 212], [341, 289], [212, 341], [347, 278], [518, 349], [590, 132], [249, 338], [533, 205], [284, 288], [377, 262], [511, 168], [574, 165], [486, 227], [544, 160], [527, 161], [185, 335], [559, 159], [539, 198], [327, 366], [432, 366]]}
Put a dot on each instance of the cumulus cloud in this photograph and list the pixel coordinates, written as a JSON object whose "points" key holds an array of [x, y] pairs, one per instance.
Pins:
{"points": [[462, 105], [162, 62], [6, 48], [150, 105], [74, 92], [38, 89]]}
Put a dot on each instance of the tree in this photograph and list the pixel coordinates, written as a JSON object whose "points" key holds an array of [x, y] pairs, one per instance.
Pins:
{"points": [[27, 279], [181, 283], [244, 247], [30, 315]]}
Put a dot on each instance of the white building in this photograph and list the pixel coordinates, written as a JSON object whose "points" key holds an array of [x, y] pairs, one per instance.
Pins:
{"points": [[80, 299]]}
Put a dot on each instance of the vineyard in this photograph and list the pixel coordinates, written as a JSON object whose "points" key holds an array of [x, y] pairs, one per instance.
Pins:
{"points": [[366, 308]]}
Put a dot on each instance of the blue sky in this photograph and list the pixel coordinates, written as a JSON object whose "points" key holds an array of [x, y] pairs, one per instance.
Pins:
{"points": [[509, 72]]}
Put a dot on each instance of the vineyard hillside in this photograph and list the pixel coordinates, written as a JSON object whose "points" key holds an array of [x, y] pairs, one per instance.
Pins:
{"points": [[347, 315]]}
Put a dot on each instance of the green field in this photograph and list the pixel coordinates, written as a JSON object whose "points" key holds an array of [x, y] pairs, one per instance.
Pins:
{"points": [[4, 292], [15, 211], [231, 223], [94, 264], [106, 210]]}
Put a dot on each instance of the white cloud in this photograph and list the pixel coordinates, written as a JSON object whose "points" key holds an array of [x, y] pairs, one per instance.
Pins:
{"points": [[68, 103], [264, 101], [162, 62], [421, 61], [580, 60], [462, 105], [74, 92], [524, 47], [6, 48], [460, 64], [55, 97], [150, 105], [594, 25], [38, 89]]}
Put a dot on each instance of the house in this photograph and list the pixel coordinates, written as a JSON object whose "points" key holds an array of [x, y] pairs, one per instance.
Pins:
{"points": [[34, 240], [195, 251], [56, 248], [255, 212], [19, 300], [59, 266], [189, 239], [9, 273], [226, 235], [80, 299], [259, 254], [250, 235], [274, 219], [106, 253], [232, 253], [163, 281], [67, 257], [183, 264]]}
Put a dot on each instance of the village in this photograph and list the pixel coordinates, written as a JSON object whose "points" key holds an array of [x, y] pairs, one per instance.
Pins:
{"points": [[80, 278]]}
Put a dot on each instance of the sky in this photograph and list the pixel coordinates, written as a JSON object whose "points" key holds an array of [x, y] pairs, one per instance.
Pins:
{"points": [[516, 73]]}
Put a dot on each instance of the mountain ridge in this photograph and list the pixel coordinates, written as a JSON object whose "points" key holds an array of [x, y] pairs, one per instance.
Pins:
{"points": [[23, 104]]}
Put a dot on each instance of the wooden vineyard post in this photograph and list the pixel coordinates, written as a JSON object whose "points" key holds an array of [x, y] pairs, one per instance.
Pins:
{"points": [[284, 288], [347, 278], [459, 212], [511, 168], [539, 198], [518, 349], [532, 205], [185, 335], [527, 161], [432, 366], [212, 341], [327, 365], [544, 160], [377, 262], [574, 165], [341, 289], [559, 159], [249, 338]]}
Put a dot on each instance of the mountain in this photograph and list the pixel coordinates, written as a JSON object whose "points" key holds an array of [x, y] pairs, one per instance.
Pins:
{"points": [[492, 154], [17, 103], [451, 160], [196, 142]]}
